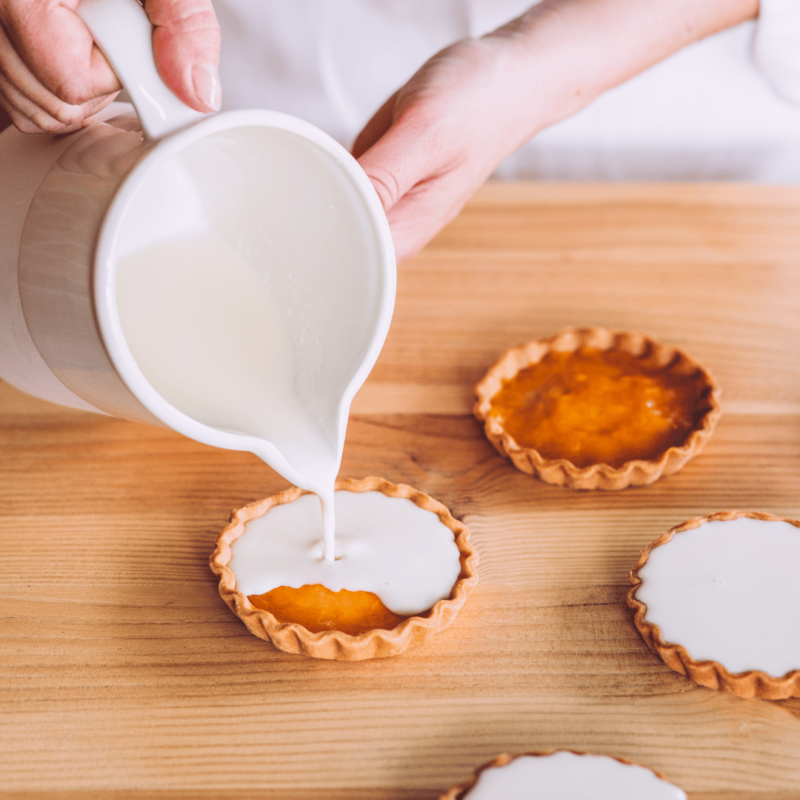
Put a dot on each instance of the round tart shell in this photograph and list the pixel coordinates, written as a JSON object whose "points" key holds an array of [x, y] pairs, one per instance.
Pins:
{"points": [[712, 674], [562, 472], [293, 637], [460, 790]]}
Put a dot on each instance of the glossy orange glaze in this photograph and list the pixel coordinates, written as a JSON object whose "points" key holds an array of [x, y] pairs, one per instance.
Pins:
{"points": [[317, 608], [599, 407]]}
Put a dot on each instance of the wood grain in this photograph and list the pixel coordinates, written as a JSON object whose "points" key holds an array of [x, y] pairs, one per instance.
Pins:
{"points": [[125, 676]]}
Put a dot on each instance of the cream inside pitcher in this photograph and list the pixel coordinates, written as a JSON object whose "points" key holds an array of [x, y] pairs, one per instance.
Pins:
{"points": [[229, 276]]}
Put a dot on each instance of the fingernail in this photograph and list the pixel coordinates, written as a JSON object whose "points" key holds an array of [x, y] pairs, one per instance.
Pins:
{"points": [[206, 86]]}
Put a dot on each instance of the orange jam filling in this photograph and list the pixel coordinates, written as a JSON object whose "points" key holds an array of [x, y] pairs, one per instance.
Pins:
{"points": [[599, 407], [317, 609]]}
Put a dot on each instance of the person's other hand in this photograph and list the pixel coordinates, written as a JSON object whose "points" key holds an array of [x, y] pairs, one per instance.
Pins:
{"points": [[53, 78], [438, 138]]}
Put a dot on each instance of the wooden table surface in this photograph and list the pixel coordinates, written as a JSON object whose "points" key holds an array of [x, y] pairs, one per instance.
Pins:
{"points": [[125, 676]]}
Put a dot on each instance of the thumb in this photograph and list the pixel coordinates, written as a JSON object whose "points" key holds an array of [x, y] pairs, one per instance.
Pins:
{"points": [[186, 45]]}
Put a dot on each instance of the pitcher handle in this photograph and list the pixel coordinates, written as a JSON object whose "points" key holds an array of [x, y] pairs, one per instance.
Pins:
{"points": [[124, 34]]}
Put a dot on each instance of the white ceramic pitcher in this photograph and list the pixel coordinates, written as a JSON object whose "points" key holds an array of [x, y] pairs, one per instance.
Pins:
{"points": [[280, 191]]}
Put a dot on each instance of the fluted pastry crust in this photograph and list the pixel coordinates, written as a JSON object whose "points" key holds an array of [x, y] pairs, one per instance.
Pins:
{"points": [[458, 791], [293, 637], [563, 472], [712, 674]]}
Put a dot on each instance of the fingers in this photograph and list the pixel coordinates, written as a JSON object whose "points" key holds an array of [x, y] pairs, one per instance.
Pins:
{"points": [[38, 111], [420, 171], [51, 77], [423, 212], [407, 151], [30, 105], [57, 49], [29, 118], [420, 191], [186, 43]]}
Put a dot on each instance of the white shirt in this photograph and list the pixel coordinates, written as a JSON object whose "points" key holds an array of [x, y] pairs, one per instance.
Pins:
{"points": [[727, 107]]}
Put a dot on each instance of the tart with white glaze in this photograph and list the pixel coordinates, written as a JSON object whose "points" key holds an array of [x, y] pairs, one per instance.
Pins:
{"points": [[563, 775], [717, 598], [394, 584], [591, 408]]}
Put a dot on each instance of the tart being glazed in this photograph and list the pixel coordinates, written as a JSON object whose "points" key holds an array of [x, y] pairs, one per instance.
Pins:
{"points": [[403, 569], [717, 598], [591, 408], [563, 775]]}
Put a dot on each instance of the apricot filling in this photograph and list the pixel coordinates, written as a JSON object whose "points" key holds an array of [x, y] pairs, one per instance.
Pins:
{"points": [[317, 609], [593, 406]]}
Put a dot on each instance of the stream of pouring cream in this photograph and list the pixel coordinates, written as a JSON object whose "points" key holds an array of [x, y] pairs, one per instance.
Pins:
{"points": [[206, 333]]}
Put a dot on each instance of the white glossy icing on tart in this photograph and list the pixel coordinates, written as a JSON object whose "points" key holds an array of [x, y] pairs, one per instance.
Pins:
{"points": [[728, 591], [385, 545], [571, 776]]}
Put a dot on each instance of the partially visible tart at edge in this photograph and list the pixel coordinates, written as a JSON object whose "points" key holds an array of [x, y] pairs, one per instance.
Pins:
{"points": [[717, 598], [563, 775], [596, 409]]}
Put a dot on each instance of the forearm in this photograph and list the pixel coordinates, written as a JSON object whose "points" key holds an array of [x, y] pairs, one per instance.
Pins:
{"points": [[562, 54]]}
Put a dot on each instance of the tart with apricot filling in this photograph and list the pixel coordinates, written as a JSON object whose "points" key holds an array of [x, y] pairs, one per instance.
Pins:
{"points": [[403, 568], [596, 409]]}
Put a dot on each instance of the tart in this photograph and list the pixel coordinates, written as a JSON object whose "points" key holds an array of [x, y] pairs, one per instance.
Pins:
{"points": [[563, 775], [591, 408], [344, 625], [717, 599]]}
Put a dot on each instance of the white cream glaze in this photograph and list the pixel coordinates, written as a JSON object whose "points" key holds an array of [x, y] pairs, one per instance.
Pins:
{"points": [[385, 545], [728, 591], [570, 776]]}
